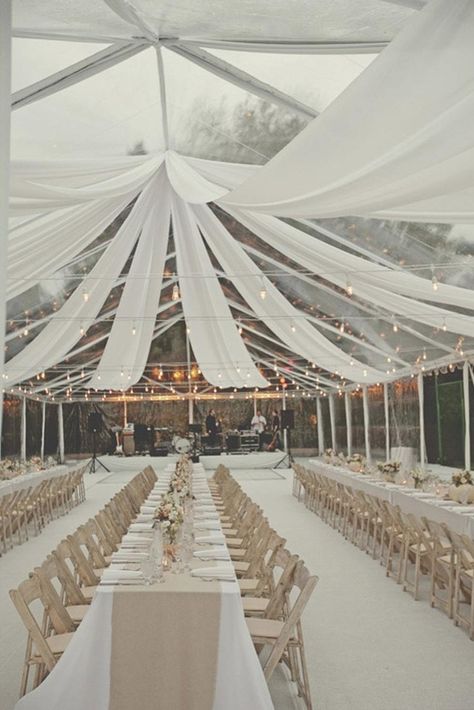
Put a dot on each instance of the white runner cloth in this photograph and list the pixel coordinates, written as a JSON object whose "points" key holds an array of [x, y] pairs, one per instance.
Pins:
{"points": [[31, 479]]}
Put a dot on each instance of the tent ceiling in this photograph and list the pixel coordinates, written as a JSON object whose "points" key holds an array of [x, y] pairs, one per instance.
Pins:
{"points": [[247, 21]]}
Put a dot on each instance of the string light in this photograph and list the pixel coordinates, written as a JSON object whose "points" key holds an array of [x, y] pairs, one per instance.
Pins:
{"points": [[349, 289], [444, 326], [85, 296], [263, 291], [434, 283], [134, 329], [175, 293], [81, 329]]}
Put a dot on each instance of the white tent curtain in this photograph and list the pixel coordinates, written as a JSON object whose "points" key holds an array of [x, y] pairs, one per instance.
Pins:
{"points": [[124, 358], [217, 345], [384, 147]]}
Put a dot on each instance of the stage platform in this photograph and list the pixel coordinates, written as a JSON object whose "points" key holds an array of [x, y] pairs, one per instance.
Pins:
{"points": [[257, 460]]}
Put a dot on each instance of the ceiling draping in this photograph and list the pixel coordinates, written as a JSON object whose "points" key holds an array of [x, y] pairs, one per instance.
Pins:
{"points": [[383, 148], [398, 143]]}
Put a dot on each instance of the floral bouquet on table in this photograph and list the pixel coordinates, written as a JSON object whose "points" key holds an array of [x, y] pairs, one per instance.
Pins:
{"points": [[170, 515], [356, 462], [419, 476], [329, 455], [462, 487], [389, 470]]}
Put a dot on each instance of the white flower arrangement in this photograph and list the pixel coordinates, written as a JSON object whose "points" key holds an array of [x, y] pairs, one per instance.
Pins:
{"points": [[462, 478], [389, 467], [419, 476]]}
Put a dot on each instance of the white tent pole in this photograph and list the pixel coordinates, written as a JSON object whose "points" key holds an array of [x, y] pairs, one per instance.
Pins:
{"points": [[43, 427], [5, 92], [421, 401], [61, 432], [76, 72], [319, 415], [285, 431], [125, 415], [467, 417], [348, 408], [387, 421], [164, 110], [242, 79], [365, 401], [190, 399], [23, 430], [332, 419]]}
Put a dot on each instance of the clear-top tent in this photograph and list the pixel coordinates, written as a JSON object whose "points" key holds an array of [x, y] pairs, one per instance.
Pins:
{"points": [[133, 126]]}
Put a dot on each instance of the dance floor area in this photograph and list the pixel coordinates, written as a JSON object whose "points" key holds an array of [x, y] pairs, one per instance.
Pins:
{"points": [[368, 644]]}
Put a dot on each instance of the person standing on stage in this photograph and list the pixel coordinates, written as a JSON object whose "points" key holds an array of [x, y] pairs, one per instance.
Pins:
{"points": [[275, 442], [258, 425], [211, 427]]}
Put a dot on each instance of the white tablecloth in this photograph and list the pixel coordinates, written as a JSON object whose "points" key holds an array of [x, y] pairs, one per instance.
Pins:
{"points": [[410, 501], [81, 679], [30, 479]]}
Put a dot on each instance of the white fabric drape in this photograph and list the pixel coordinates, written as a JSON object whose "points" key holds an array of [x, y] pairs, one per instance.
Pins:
{"points": [[278, 314], [421, 406], [53, 343], [217, 345], [319, 414], [365, 403], [467, 417], [397, 143], [348, 410], [124, 358], [310, 253], [190, 185]]}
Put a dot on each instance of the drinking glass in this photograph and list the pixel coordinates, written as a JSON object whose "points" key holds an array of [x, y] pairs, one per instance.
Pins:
{"points": [[148, 568]]}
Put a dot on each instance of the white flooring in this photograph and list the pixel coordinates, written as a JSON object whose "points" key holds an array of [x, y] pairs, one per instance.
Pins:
{"points": [[369, 645]]}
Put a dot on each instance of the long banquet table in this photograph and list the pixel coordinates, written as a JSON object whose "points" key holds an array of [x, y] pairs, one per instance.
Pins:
{"points": [[459, 518], [30, 479], [181, 644]]}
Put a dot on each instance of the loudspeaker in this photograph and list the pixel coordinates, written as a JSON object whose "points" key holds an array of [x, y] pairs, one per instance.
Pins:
{"points": [[195, 428], [233, 442], [287, 418], [212, 451], [160, 451], [94, 422]]}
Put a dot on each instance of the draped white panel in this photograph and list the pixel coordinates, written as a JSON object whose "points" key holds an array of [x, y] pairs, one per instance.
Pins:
{"points": [[124, 359], [38, 195], [53, 343], [309, 252], [40, 247], [278, 314], [398, 142], [217, 345], [189, 184]]}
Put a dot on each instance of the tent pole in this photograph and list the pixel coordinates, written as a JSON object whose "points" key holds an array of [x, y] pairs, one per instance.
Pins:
{"points": [[365, 401], [319, 415], [164, 110], [23, 430], [285, 431], [421, 403], [332, 419], [467, 417], [190, 398], [125, 415], [348, 408], [387, 421], [61, 432], [5, 93], [43, 427]]}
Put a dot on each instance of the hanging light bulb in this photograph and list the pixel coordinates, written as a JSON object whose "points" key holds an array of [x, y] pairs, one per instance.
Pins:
{"points": [[349, 289], [81, 329], [434, 283], [293, 327], [175, 293], [85, 296], [341, 328], [263, 290], [395, 327], [444, 326], [134, 329]]}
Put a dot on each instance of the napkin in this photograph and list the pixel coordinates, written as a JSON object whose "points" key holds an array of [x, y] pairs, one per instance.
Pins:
{"points": [[129, 556], [221, 572], [217, 553], [208, 524], [214, 538], [144, 518], [141, 527], [121, 575], [209, 515], [147, 509]]}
